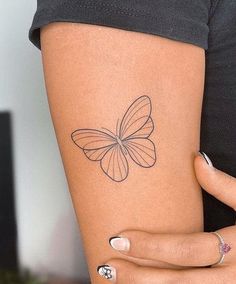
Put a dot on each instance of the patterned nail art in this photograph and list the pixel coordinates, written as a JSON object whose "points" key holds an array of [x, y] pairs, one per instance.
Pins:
{"points": [[107, 271]]}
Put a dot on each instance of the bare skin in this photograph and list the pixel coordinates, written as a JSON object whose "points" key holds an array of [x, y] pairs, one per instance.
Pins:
{"points": [[93, 74]]}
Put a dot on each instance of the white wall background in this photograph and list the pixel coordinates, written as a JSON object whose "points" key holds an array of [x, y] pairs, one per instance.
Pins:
{"points": [[48, 236]]}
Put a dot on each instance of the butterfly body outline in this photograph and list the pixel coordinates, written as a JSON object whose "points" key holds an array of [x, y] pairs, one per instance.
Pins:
{"points": [[131, 139]]}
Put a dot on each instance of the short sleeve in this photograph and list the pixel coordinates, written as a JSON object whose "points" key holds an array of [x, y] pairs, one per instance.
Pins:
{"points": [[183, 20]]}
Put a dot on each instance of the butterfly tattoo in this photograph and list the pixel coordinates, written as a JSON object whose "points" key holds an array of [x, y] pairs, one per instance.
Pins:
{"points": [[131, 140]]}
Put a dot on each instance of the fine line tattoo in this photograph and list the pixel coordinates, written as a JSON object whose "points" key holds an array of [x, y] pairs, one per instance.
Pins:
{"points": [[131, 139]]}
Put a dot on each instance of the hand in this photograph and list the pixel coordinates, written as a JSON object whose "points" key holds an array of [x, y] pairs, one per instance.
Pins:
{"points": [[193, 251]]}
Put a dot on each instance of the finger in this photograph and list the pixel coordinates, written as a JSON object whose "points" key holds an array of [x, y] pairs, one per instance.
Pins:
{"points": [[125, 272], [217, 183], [196, 249], [217, 275]]}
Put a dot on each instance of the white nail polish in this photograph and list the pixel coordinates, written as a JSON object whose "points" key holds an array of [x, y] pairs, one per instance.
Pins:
{"points": [[207, 159], [120, 243], [107, 272]]}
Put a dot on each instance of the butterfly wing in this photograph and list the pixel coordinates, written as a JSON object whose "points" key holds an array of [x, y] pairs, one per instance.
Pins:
{"points": [[94, 143], [135, 117], [90, 139], [96, 154], [136, 126], [114, 164], [100, 146], [145, 131], [142, 151]]}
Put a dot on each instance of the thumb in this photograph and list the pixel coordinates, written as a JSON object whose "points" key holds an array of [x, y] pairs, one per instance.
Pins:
{"points": [[217, 183]]}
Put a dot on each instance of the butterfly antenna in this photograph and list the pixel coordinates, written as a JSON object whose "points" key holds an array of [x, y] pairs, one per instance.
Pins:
{"points": [[117, 127], [109, 131]]}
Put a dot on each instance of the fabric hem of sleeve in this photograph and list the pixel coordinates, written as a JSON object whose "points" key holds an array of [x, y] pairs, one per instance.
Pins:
{"points": [[176, 28]]}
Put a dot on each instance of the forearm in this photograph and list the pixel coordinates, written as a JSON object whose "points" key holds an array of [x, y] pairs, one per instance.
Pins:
{"points": [[92, 76]]}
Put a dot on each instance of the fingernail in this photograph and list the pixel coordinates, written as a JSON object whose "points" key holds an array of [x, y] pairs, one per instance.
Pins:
{"points": [[207, 159], [120, 243], [107, 272]]}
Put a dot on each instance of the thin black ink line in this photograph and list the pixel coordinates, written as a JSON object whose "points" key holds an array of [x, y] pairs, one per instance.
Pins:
{"points": [[125, 124], [117, 127], [91, 136], [131, 114], [107, 151], [84, 146], [149, 125], [100, 140], [92, 131], [145, 128], [140, 147], [126, 165], [131, 135], [135, 143], [110, 132], [141, 136], [122, 159], [113, 168], [131, 150], [93, 152], [91, 142], [134, 149], [104, 151], [118, 156], [145, 161], [106, 171], [138, 135], [111, 145], [108, 165], [113, 162], [132, 107], [89, 155], [108, 140], [150, 149], [135, 122], [149, 117], [142, 151], [134, 115], [110, 160]]}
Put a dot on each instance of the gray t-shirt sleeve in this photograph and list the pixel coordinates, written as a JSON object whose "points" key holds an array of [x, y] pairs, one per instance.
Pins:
{"points": [[183, 20]]}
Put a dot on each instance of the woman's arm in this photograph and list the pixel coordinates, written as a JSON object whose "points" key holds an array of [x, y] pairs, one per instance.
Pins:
{"points": [[93, 74]]}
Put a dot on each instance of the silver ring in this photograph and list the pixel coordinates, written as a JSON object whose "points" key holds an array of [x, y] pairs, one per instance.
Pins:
{"points": [[224, 248]]}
